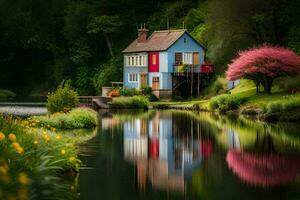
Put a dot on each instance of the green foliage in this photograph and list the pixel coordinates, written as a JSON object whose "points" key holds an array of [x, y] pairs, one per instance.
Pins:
{"points": [[286, 104], [63, 99], [130, 102], [75, 119], [288, 83], [219, 86], [6, 94], [146, 90], [226, 102], [110, 71], [129, 92], [106, 24]]}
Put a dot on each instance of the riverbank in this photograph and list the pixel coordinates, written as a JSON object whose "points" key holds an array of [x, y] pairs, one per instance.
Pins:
{"points": [[278, 106]]}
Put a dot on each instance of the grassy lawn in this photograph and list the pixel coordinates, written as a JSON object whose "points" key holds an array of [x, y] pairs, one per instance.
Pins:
{"points": [[245, 89]]}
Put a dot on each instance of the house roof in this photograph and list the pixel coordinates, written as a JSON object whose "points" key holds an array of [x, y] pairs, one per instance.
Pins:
{"points": [[158, 41]]}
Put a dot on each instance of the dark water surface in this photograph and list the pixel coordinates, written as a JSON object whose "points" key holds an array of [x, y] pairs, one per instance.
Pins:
{"points": [[186, 155]]}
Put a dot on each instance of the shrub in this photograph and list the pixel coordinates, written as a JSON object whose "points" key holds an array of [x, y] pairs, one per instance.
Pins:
{"points": [[274, 107], [226, 102], [219, 86], [129, 92], [130, 102], [75, 119], [63, 99], [146, 90]]}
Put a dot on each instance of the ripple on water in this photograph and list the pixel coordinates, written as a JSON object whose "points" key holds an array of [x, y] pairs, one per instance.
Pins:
{"points": [[23, 111]]}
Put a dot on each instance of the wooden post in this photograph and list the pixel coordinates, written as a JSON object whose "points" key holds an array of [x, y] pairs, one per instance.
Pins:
{"points": [[198, 84], [192, 79]]}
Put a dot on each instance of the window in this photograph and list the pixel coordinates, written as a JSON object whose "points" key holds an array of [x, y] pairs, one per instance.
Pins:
{"points": [[188, 58], [184, 40], [132, 77], [154, 59], [178, 58], [132, 61], [140, 60]]}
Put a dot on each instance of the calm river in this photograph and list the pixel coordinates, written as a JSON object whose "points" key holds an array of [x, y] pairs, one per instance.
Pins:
{"points": [[187, 155]]}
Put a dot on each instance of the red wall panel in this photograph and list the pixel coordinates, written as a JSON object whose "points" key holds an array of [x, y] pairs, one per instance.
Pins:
{"points": [[153, 62]]}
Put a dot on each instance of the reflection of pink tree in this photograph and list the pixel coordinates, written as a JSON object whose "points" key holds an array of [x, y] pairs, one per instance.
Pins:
{"points": [[265, 170]]}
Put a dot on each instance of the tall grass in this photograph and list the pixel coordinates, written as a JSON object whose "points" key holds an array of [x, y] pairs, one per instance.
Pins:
{"points": [[75, 119], [287, 103], [226, 102], [130, 102]]}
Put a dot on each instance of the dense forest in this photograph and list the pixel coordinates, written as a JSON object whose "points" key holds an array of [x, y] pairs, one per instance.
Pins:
{"points": [[45, 42]]}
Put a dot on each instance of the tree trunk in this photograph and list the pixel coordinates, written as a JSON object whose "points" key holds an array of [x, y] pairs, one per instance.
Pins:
{"points": [[109, 45], [257, 84], [267, 84]]}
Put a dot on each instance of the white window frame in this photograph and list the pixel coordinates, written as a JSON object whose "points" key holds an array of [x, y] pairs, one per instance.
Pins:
{"points": [[136, 78], [187, 58], [136, 60]]}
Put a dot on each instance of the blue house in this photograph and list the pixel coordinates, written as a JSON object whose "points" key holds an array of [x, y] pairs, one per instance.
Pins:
{"points": [[169, 61]]}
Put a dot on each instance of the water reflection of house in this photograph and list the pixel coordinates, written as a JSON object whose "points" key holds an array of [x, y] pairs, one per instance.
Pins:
{"points": [[135, 139], [163, 159]]}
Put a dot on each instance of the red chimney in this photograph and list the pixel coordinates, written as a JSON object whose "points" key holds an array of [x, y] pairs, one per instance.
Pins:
{"points": [[142, 34]]}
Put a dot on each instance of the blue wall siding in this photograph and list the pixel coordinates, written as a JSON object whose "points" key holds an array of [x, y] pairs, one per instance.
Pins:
{"points": [[151, 75], [165, 79], [163, 61], [180, 46], [136, 70]]}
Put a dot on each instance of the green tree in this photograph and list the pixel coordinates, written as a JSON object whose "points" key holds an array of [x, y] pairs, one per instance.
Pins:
{"points": [[106, 25]]}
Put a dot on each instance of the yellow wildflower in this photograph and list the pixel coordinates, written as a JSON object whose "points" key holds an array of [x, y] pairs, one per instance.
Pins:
{"points": [[35, 142], [12, 137], [18, 148], [23, 179], [72, 159], [2, 136], [58, 137], [63, 151], [53, 129]]}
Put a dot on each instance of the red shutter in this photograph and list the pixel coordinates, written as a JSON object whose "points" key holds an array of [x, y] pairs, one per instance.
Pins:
{"points": [[153, 62]]}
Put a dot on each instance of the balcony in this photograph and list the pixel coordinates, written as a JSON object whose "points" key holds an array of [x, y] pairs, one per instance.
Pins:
{"points": [[185, 68]]}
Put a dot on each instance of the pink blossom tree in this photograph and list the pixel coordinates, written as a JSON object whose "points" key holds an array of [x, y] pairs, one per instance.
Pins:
{"points": [[264, 64]]}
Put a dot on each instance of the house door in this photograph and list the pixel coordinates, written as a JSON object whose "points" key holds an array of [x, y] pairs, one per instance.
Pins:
{"points": [[143, 80], [155, 83], [196, 58]]}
